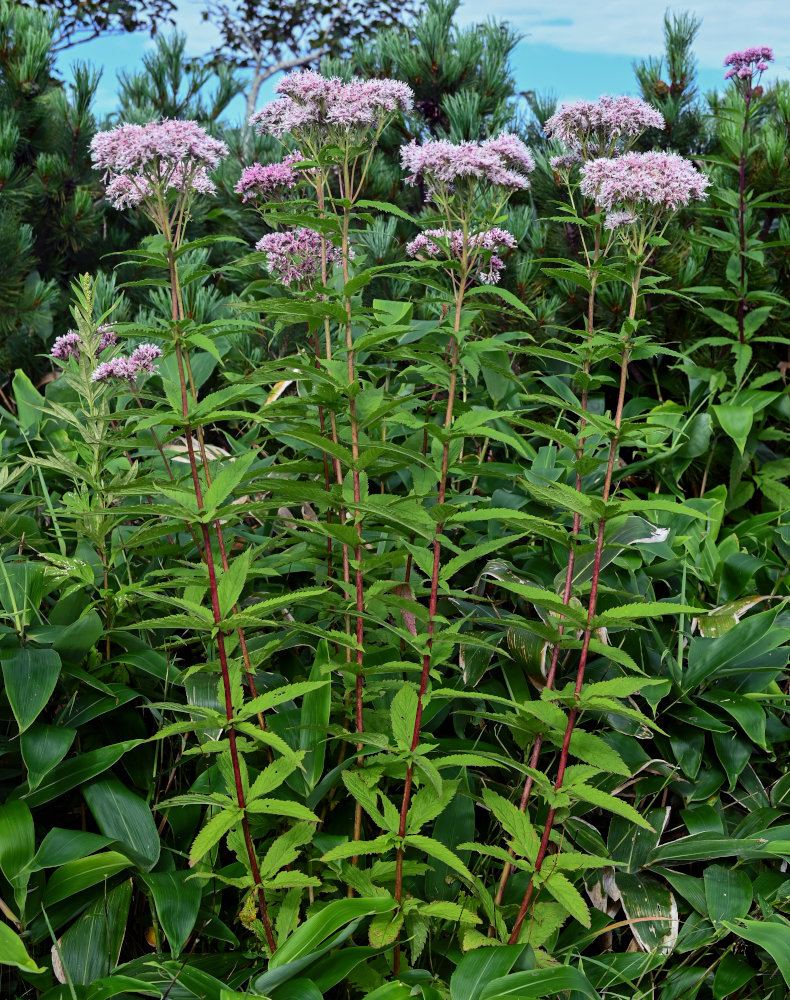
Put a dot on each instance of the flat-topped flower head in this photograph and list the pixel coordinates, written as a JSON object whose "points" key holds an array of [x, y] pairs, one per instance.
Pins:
{"points": [[501, 162], [746, 66], [438, 244], [259, 182], [311, 104], [143, 358], [294, 257], [71, 344], [131, 148], [600, 127], [563, 163], [141, 163], [658, 180], [129, 369]]}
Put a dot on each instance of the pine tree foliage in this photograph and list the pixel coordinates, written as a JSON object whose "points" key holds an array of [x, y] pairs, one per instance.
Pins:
{"points": [[50, 225], [171, 85], [669, 83]]}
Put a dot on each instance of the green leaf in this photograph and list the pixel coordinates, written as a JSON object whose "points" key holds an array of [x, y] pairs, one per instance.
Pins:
{"points": [[427, 805], [90, 948], [477, 968], [728, 892], [390, 209], [177, 901], [736, 422], [515, 822], [391, 991], [652, 907], [366, 797], [336, 967], [78, 638], [43, 747], [75, 876], [17, 838], [610, 803], [594, 750], [731, 974], [703, 846], [118, 985], [125, 817], [538, 983], [645, 609], [436, 850], [361, 847], [749, 715], [30, 404], [227, 479], [30, 676], [314, 720], [299, 989], [12, 951], [271, 777], [317, 928], [454, 826], [231, 582], [771, 936], [282, 807], [61, 846], [271, 699], [568, 895], [216, 828], [403, 714], [744, 644], [384, 929], [503, 294]]}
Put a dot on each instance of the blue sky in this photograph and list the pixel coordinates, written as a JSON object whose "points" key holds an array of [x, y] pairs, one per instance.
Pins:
{"points": [[573, 48]]}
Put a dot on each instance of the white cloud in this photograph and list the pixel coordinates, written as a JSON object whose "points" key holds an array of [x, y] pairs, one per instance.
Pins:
{"points": [[623, 27]]}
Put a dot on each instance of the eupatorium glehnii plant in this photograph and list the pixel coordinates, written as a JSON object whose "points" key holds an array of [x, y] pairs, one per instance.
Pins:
{"points": [[402, 585]]}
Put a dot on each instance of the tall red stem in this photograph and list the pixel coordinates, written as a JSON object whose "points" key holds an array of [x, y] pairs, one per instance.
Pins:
{"points": [[596, 572], [566, 596], [434, 597], [215, 606]]}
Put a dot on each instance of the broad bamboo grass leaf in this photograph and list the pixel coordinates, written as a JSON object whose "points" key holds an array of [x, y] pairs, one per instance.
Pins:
{"points": [[13, 952]]}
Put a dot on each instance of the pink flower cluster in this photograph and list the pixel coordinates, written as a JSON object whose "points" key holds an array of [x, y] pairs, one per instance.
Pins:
{"points": [[602, 122], [140, 361], [129, 148], [294, 257], [128, 190], [438, 243], [619, 219], [259, 181], [661, 180], [743, 65], [564, 161], [136, 158], [504, 161], [67, 346], [311, 102], [70, 344]]}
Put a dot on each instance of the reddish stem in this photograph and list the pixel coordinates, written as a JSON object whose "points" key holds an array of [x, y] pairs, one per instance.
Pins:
{"points": [[223, 660], [596, 572], [742, 215], [434, 598], [555, 656]]}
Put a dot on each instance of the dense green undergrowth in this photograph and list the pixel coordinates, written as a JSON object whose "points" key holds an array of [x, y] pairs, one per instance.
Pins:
{"points": [[403, 634]]}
